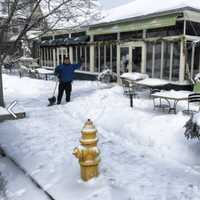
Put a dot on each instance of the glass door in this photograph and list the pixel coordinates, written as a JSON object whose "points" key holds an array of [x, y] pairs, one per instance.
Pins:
{"points": [[136, 59], [124, 59]]}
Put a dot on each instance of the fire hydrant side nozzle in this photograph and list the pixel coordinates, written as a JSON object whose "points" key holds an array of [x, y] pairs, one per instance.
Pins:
{"points": [[88, 152]]}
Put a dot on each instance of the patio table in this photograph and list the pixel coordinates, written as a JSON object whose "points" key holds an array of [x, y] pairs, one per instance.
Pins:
{"points": [[172, 98]]}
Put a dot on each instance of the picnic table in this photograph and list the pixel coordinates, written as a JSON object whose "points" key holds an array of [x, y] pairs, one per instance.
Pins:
{"points": [[172, 98]]}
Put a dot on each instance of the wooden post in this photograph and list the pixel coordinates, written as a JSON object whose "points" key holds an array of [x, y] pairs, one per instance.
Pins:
{"points": [[130, 65], [99, 58], [144, 58], [118, 63], [162, 59], [192, 61], [1, 89], [182, 61], [171, 60], [111, 58], [153, 60], [118, 58], [58, 57], [86, 61], [54, 58], [105, 56], [92, 54]]}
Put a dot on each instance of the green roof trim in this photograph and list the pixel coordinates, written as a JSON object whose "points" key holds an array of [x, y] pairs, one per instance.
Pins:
{"points": [[163, 21]]}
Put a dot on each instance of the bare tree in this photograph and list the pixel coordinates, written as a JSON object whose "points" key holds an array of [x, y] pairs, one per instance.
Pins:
{"points": [[43, 15]]}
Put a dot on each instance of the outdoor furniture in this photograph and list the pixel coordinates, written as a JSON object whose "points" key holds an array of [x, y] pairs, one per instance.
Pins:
{"points": [[128, 87], [157, 102], [172, 98], [134, 76], [192, 98]]}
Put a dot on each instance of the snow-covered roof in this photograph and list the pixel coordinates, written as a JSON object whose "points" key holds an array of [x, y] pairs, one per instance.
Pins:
{"points": [[139, 8]]}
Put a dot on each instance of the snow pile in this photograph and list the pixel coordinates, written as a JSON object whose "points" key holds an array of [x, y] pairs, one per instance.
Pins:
{"points": [[134, 76], [3, 111], [144, 7], [140, 148]]}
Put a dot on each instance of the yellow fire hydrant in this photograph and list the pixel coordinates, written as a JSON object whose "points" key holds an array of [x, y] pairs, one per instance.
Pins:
{"points": [[87, 152]]}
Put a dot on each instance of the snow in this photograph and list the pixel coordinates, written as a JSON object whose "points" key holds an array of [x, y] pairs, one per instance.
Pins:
{"points": [[139, 8], [3, 111], [144, 153], [134, 76], [153, 82], [18, 186]]}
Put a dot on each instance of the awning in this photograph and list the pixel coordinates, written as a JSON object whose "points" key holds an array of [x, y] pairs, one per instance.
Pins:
{"points": [[163, 21], [65, 41]]}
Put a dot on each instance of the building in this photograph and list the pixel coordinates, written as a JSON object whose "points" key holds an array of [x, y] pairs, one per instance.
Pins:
{"points": [[160, 38]]}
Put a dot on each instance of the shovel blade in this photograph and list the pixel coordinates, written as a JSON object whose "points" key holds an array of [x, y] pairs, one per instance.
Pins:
{"points": [[52, 100]]}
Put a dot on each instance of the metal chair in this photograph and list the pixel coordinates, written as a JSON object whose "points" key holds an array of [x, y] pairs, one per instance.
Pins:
{"points": [[192, 98], [126, 87]]}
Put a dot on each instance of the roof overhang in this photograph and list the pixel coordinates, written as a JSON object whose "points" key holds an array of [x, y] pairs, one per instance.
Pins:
{"points": [[135, 25], [155, 20]]}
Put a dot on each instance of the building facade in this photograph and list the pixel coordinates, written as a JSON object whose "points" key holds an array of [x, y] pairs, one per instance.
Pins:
{"points": [[163, 45]]}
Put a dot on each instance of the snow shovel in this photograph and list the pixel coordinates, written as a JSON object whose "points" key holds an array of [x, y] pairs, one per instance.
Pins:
{"points": [[52, 100]]}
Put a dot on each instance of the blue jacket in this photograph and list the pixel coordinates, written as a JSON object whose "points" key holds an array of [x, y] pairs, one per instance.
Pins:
{"points": [[65, 72]]}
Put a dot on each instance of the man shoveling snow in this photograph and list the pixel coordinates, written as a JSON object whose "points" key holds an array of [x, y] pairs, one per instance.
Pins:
{"points": [[65, 74]]}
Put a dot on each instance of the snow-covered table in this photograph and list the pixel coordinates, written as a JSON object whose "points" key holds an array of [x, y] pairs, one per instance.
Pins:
{"points": [[153, 82], [135, 76], [172, 98]]}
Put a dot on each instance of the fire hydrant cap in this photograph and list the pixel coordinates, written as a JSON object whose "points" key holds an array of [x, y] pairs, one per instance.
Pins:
{"points": [[89, 126]]}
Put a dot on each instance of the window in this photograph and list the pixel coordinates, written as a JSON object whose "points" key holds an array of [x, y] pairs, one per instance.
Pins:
{"points": [[193, 59], [166, 64], [149, 59], [107, 37], [192, 28], [176, 61], [131, 35], [157, 63], [105, 56], [166, 68], [166, 31]]}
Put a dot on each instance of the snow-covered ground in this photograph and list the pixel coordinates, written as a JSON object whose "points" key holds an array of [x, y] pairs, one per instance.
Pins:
{"points": [[145, 155]]}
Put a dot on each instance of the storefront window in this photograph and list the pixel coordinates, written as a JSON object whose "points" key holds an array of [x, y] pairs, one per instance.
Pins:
{"points": [[166, 64], [157, 67], [149, 60], [154, 65], [114, 58], [105, 56], [124, 59], [176, 61]]}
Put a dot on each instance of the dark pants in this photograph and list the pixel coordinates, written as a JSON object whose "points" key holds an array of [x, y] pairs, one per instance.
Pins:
{"points": [[64, 86]]}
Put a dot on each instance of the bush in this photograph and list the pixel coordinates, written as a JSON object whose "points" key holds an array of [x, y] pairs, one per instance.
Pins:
{"points": [[192, 128]]}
